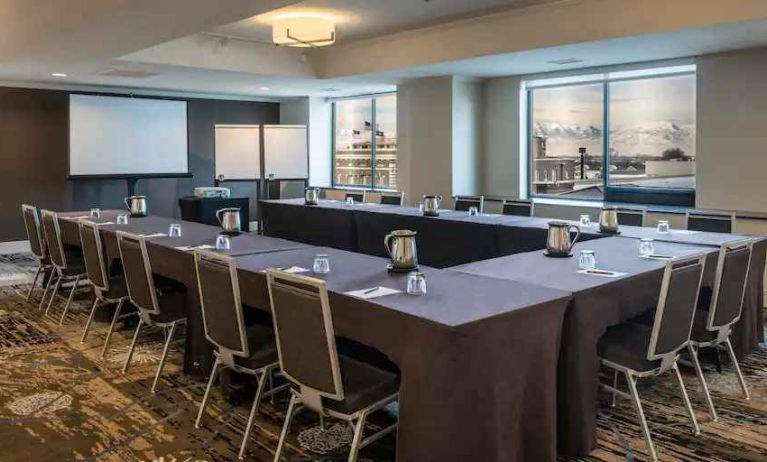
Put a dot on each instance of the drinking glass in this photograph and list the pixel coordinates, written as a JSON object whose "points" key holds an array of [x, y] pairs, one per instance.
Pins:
{"points": [[646, 247], [587, 260], [473, 211], [321, 263], [95, 212], [416, 283], [122, 219], [663, 227], [174, 230], [349, 201], [585, 221], [223, 242], [420, 207]]}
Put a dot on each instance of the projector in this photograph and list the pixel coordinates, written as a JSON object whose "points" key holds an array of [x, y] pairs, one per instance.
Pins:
{"points": [[210, 191]]}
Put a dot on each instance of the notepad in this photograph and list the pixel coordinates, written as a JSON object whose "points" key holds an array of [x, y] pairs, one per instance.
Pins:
{"points": [[659, 257], [293, 269], [106, 223], [373, 292], [153, 235], [195, 247], [602, 273]]}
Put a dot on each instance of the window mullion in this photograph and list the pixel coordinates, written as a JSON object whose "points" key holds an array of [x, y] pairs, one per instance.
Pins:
{"points": [[605, 137], [373, 145]]}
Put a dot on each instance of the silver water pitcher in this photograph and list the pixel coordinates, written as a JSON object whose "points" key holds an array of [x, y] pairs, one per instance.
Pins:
{"points": [[136, 205], [229, 218], [311, 196], [608, 220], [558, 242], [402, 249], [431, 205]]}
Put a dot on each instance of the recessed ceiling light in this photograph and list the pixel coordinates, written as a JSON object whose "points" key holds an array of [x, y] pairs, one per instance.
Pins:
{"points": [[564, 61], [264, 88], [58, 74]]}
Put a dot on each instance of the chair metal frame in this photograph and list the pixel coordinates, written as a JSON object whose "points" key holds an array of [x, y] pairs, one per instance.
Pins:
{"points": [[722, 340], [100, 299], [224, 357], [668, 360], [719, 215], [59, 268], [519, 202], [633, 211], [480, 199], [310, 397], [354, 194], [42, 268], [144, 312]]}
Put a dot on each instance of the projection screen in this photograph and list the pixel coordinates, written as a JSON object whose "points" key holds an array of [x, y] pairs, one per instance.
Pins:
{"points": [[127, 137]]}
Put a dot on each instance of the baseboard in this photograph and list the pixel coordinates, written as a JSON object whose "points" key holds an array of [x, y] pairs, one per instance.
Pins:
{"points": [[13, 247]]}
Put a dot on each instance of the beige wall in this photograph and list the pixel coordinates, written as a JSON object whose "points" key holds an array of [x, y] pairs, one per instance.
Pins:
{"points": [[501, 130], [467, 136]]}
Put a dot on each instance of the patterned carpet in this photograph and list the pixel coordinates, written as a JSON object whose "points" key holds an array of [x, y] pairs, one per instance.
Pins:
{"points": [[59, 402]]}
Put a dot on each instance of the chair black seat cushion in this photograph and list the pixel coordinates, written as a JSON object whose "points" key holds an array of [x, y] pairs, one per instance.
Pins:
{"points": [[172, 307], [627, 345], [363, 385], [699, 331], [263, 348], [117, 288]]}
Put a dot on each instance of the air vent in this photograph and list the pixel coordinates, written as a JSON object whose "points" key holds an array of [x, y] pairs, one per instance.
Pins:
{"points": [[564, 61], [329, 90], [127, 73]]}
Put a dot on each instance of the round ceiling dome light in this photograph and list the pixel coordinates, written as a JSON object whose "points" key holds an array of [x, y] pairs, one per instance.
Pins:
{"points": [[303, 31]]}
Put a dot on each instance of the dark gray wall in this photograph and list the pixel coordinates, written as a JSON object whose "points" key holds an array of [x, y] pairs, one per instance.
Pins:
{"points": [[34, 148]]}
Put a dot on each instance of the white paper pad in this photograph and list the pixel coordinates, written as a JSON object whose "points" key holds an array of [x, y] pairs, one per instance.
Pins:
{"points": [[602, 273], [194, 247], [106, 223], [659, 257], [154, 235], [294, 269], [373, 292]]}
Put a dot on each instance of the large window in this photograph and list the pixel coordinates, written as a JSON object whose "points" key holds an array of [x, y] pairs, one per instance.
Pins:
{"points": [[365, 142], [623, 136]]}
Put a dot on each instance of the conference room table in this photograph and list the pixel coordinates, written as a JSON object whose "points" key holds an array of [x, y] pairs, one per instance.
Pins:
{"points": [[477, 356], [169, 261], [598, 302]]}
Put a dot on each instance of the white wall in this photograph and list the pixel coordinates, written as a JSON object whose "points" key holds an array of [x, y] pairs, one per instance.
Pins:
{"points": [[501, 130], [316, 114], [467, 136], [732, 130]]}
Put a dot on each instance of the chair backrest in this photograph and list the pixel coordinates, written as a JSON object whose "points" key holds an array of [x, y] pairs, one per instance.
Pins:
{"points": [[630, 216], [138, 272], [392, 198], [357, 196], [712, 221], [729, 284], [34, 233], [463, 203], [93, 254], [518, 207], [676, 307], [222, 314], [303, 327], [53, 241]]}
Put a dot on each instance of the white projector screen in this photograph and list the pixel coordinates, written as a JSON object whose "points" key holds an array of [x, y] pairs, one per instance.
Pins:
{"points": [[286, 152], [123, 137], [238, 152]]}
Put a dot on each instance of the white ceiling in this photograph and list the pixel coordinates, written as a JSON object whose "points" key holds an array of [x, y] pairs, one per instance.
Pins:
{"points": [[363, 19]]}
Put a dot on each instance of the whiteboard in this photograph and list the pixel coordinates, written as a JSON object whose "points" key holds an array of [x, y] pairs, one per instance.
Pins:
{"points": [[122, 136], [286, 151], [238, 152]]}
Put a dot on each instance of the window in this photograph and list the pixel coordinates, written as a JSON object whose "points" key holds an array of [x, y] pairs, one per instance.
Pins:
{"points": [[648, 147], [365, 142]]}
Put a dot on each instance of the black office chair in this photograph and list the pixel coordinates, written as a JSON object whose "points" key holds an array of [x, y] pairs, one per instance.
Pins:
{"points": [[713, 323], [69, 265], [358, 197], [637, 350], [632, 216], [108, 288], [711, 221], [249, 350], [325, 382], [519, 207], [391, 198], [38, 248], [463, 203], [160, 301]]}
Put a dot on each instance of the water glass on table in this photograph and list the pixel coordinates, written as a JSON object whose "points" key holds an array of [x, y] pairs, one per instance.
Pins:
{"points": [[585, 221], [321, 264], [122, 219], [663, 227], [174, 230], [473, 211], [349, 201], [95, 212], [416, 283], [646, 247], [223, 242], [587, 260]]}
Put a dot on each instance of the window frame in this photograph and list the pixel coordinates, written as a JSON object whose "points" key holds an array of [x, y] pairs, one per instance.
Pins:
{"points": [[373, 167], [611, 193]]}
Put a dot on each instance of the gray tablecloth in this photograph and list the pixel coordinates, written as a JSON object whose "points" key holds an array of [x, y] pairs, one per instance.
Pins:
{"points": [[477, 355]]}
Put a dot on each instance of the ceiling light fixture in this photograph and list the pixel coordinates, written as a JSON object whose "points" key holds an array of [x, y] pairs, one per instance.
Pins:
{"points": [[264, 88], [58, 74], [564, 61], [303, 31]]}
